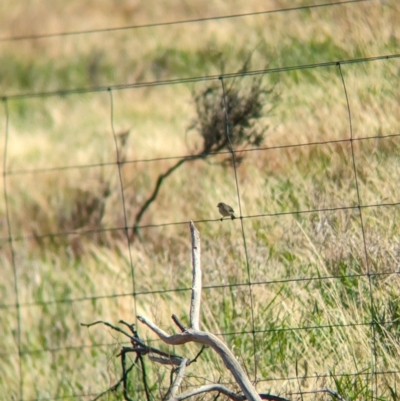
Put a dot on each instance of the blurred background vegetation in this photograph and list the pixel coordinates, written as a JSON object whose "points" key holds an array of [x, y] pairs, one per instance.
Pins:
{"points": [[321, 274]]}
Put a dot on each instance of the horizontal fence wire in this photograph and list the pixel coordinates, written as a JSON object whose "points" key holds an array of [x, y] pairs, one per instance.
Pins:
{"points": [[187, 289], [230, 383], [186, 21], [196, 79]]}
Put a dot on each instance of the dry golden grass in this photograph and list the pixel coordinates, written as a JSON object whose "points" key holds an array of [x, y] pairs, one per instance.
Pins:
{"points": [[311, 295]]}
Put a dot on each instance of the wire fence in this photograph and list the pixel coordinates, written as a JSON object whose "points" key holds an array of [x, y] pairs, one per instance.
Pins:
{"points": [[14, 239]]}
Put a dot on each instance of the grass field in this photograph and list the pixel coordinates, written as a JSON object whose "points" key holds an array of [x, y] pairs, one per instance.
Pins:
{"points": [[323, 307]]}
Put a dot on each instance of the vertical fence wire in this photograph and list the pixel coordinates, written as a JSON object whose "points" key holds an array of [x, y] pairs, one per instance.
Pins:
{"points": [[126, 228], [249, 283], [360, 214]]}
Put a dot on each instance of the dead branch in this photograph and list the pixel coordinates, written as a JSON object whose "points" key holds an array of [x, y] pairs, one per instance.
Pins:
{"points": [[193, 334], [187, 334], [246, 107], [196, 283], [178, 380]]}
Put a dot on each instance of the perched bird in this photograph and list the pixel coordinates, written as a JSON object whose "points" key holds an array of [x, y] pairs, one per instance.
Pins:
{"points": [[226, 210]]}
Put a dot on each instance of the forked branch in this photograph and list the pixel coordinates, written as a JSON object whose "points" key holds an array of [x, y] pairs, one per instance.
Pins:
{"points": [[193, 334]]}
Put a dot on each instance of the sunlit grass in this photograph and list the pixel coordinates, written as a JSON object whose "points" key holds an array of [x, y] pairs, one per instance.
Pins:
{"points": [[319, 278]]}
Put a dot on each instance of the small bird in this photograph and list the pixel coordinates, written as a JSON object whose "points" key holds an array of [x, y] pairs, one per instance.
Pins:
{"points": [[226, 210]]}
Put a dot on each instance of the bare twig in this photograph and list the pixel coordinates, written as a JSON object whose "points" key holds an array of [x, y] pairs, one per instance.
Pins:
{"points": [[178, 380], [116, 385], [141, 349], [125, 374], [196, 282], [116, 328], [153, 196], [178, 322], [144, 376], [198, 354], [139, 346]]}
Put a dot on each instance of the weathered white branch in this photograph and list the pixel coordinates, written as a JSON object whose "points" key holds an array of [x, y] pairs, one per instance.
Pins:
{"points": [[193, 334], [196, 281], [178, 379], [217, 345]]}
